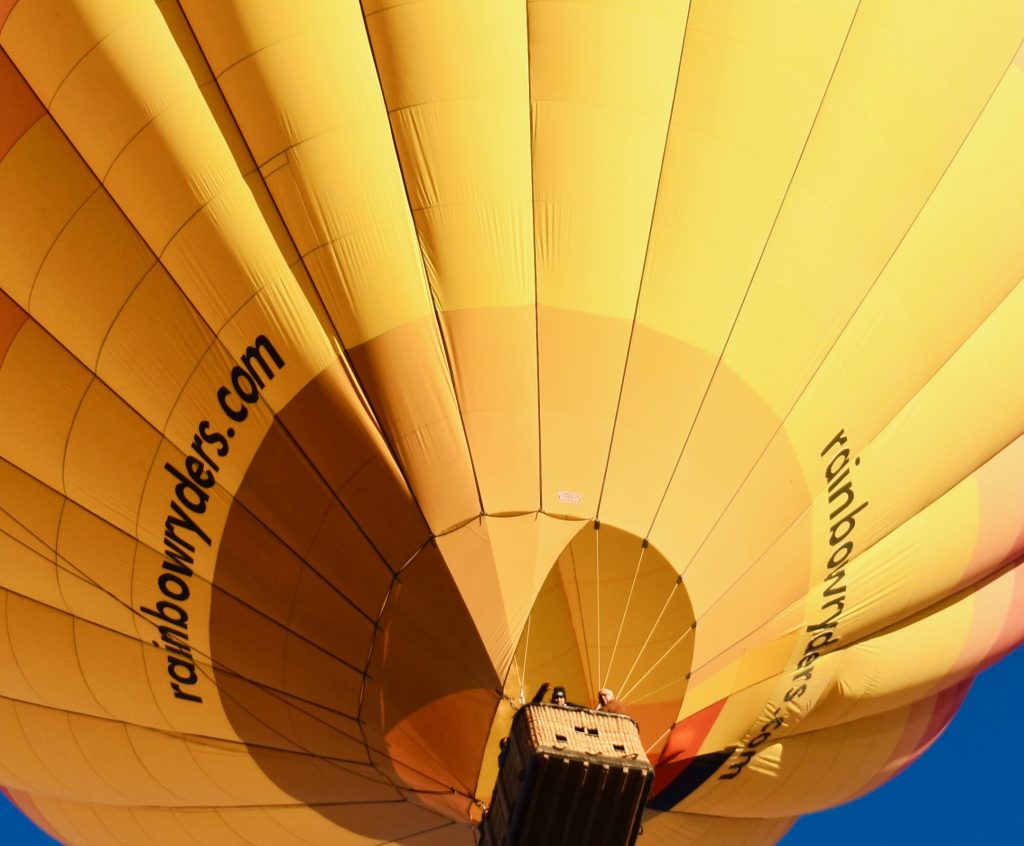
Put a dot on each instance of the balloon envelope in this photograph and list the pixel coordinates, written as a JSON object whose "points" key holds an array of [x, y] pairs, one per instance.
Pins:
{"points": [[363, 366]]}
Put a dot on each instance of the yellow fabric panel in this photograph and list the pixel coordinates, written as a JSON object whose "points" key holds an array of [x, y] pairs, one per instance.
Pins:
{"points": [[94, 566], [158, 332], [498, 397], [352, 226], [25, 766], [922, 286], [682, 536], [463, 140], [853, 196], [947, 643], [904, 297], [43, 648], [601, 109], [50, 385], [724, 176], [897, 474], [184, 37], [30, 515], [97, 251], [917, 564], [37, 166], [70, 33], [726, 169], [601, 106], [276, 312], [682, 829], [799, 775], [310, 107], [103, 474], [173, 175]]}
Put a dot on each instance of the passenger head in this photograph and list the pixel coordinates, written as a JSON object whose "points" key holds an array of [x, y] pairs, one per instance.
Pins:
{"points": [[604, 696], [558, 696]]}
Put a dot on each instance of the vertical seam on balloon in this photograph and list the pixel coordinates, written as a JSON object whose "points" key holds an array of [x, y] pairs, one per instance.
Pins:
{"points": [[896, 413], [757, 266], [533, 250], [441, 337], [647, 254], [583, 619], [625, 613], [597, 592], [857, 308]]}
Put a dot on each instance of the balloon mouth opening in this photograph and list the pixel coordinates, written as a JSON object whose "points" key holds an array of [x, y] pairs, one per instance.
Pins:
{"points": [[612, 613]]}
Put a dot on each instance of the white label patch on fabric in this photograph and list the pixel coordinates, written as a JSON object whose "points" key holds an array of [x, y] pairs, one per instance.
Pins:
{"points": [[572, 497]]}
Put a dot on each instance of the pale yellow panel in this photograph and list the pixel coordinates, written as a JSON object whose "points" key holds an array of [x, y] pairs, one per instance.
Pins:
{"points": [[311, 109], [341, 196], [463, 141], [920, 311], [888, 129], [294, 68], [601, 116], [752, 77], [157, 333], [890, 327], [692, 524], [724, 176], [600, 121], [899, 667], [38, 165], [50, 385]]}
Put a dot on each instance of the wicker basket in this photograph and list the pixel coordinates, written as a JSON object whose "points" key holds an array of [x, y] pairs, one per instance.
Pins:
{"points": [[569, 776]]}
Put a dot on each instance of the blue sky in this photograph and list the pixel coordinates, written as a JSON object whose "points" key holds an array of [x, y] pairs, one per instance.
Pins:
{"points": [[967, 788]]}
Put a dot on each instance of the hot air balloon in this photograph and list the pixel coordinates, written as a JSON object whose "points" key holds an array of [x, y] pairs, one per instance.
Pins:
{"points": [[364, 365]]}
